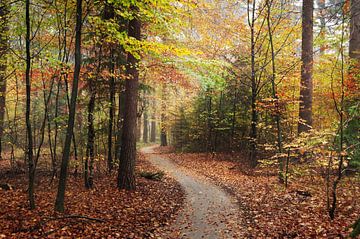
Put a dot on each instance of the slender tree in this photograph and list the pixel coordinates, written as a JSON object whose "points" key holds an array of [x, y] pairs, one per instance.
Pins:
{"points": [[4, 32], [146, 125], [59, 203], [163, 136], [269, 4], [306, 84], [29, 151], [322, 8], [126, 173], [254, 86], [120, 121], [109, 14], [153, 130], [91, 137], [153, 124]]}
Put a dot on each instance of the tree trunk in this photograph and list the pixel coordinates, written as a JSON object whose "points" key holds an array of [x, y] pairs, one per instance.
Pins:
{"points": [[153, 130], [59, 203], [126, 173], [354, 46], [29, 154], [120, 121], [111, 120], [306, 85], [153, 124], [322, 8], [91, 138], [138, 128], [274, 90], [145, 130], [163, 137], [254, 89], [4, 11], [109, 14]]}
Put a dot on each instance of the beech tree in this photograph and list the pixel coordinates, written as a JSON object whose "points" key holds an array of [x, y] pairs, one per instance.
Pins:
{"points": [[306, 83]]}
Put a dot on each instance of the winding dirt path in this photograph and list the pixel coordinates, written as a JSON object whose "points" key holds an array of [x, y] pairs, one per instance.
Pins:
{"points": [[209, 212]]}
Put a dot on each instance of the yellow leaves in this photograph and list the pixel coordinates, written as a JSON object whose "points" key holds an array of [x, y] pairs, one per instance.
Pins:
{"points": [[159, 48]]}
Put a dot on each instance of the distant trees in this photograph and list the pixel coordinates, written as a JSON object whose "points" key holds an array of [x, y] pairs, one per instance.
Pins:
{"points": [[212, 88]]}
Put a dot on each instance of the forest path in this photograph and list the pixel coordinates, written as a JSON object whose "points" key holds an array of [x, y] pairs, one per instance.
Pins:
{"points": [[208, 212]]}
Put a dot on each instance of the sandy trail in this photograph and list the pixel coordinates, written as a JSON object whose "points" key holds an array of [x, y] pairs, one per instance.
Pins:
{"points": [[209, 212]]}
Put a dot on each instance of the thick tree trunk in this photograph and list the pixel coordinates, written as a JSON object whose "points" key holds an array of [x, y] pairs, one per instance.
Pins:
{"points": [[59, 203], [126, 173], [4, 12], [306, 84], [354, 46], [29, 153]]}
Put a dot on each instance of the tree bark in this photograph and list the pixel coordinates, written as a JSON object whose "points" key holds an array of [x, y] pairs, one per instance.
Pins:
{"points": [[4, 31], [59, 203], [354, 45], [126, 173], [306, 84]]}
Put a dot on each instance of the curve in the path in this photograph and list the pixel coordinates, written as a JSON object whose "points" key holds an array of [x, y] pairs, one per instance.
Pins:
{"points": [[209, 212]]}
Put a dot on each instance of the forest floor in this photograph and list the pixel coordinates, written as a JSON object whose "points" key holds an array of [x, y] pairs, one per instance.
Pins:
{"points": [[103, 212], [209, 212], [268, 209]]}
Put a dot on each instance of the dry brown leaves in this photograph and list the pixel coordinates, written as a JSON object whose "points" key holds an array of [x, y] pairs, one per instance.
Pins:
{"points": [[121, 214], [272, 211]]}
